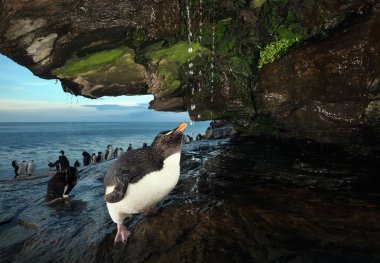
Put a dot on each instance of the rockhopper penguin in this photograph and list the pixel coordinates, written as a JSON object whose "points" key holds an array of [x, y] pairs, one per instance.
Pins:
{"points": [[141, 178]]}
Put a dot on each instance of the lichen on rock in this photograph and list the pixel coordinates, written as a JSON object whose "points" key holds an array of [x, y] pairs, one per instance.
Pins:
{"points": [[167, 62], [96, 71], [41, 47]]}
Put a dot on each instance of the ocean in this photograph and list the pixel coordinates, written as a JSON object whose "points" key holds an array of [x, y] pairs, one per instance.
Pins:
{"points": [[42, 141]]}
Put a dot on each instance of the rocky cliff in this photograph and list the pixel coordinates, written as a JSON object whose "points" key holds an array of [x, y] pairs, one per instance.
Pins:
{"points": [[305, 69]]}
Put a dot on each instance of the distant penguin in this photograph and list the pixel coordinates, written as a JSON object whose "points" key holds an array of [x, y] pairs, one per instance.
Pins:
{"points": [[186, 139], [130, 148], [103, 156], [86, 158], [109, 152], [22, 168], [15, 167], [93, 158], [31, 166], [141, 178], [145, 145], [71, 179], [98, 157], [115, 152], [120, 152], [61, 184]]}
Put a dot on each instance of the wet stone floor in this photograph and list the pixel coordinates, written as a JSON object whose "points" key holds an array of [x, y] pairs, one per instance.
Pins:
{"points": [[246, 200]]}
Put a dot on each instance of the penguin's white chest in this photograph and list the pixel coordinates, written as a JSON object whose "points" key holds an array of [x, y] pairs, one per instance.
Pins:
{"points": [[147, 192]]}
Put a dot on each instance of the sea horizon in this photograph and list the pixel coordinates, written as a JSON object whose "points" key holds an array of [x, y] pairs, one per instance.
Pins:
{"points": [[42, 141]]}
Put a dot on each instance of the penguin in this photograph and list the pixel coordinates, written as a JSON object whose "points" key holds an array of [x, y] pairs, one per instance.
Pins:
{"points": [[61, 184], [120, 152], [22, 168], [93, 158], [30, 167], [141, 178], [130, 148], [115, 152], [103, 155], [71, 179], [109, 152], [15, 166], [98, 158], [86, 158]]}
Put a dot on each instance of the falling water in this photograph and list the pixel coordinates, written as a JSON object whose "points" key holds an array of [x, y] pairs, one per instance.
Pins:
{"points": [[190, 50], [212, 52], [212, 65]]}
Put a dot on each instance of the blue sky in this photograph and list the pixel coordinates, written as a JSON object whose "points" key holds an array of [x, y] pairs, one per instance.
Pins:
{"points": [[25, 97]]}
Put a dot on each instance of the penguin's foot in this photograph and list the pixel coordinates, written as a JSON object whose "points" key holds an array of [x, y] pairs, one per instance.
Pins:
{"points": [[122, 234], [153, 211]]}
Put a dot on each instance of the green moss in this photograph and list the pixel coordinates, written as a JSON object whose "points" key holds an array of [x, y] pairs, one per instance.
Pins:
{"points": [[257, 3], [169, 60], [238, 65], [138, 38], [273, 50], [285, 27], [220, 31], [177, 53], [286, 38], [123, 70], [80, 65]]}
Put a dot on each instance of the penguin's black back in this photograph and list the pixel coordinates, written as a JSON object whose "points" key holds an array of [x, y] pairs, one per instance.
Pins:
{"points": [[131, 166]]}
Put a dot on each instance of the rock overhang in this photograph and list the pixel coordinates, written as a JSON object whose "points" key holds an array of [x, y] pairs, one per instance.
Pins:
{"points": [[95, 51]]}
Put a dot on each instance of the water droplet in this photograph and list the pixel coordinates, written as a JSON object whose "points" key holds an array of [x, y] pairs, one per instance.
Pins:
{"points": [[190, 65], [190, 50], [191, 72], [191, 122], [199, 116], [190, 34], [200, 73], [192, 107], [212, 65]]}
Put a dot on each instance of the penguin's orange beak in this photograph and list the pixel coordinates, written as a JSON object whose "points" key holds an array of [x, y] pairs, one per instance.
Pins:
{"points": [[180, 128]]}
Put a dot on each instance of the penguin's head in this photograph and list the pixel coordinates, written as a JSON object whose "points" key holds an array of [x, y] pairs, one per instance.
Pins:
{"points": [[169, 142]]}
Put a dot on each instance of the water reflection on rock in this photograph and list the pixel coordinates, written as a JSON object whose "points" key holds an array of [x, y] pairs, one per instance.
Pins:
{"points": [[256, 200]]}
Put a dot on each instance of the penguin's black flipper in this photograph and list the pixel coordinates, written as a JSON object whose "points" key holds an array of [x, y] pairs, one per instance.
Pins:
{"points": [[117, 194]]}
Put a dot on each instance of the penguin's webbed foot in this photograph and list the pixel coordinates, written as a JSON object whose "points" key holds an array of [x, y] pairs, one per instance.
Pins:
{"points": [[122, 234]]}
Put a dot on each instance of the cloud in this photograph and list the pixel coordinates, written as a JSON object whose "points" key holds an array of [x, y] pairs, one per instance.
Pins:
{"points": [[37, 84], [117, 107]]}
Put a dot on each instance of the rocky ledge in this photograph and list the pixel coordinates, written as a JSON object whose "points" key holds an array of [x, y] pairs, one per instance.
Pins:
{"points": [[305, 69]]}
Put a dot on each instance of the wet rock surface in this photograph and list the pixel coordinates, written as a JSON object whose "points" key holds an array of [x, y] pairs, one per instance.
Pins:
{"points": [[248, 200], [327, 87], [292, 68]]}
